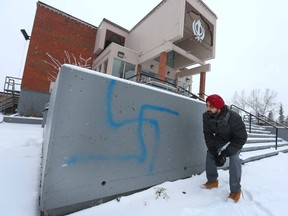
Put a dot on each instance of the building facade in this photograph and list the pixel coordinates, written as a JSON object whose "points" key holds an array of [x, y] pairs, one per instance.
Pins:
{"points": [[169, 45]]}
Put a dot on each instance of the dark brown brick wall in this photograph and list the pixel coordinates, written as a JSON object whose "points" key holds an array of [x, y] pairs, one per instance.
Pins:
{"points": [[53, 33]]}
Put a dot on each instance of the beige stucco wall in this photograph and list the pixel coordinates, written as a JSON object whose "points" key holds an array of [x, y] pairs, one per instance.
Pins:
{"points": [[165, 23]]}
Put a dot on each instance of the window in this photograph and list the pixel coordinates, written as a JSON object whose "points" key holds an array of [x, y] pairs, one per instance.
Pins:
{"points": [[123, 69], [129, 70]]}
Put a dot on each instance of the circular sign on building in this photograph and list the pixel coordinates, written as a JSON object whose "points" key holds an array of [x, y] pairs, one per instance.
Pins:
{"points": [[198, 30]]}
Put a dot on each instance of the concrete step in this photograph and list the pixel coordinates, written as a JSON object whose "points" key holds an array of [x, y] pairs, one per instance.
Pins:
{"points": [[15, 118], [249, 156], [258, 131], [260, 146], [262, 140], [253, 126], [261, 135]]}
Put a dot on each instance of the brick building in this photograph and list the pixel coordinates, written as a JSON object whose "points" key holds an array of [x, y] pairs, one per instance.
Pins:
{"points": [[56, 38]]}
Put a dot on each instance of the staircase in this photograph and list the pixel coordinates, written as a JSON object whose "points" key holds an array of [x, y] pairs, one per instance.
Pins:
{"points": [[9, 103], [261, 143]]}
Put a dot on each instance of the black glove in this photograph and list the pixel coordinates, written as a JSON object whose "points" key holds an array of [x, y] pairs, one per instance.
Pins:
{"points": [[221, 159]]}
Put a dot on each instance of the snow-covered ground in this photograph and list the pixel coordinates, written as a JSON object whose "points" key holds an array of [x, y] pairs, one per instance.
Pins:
{"points": [[265, 192]]}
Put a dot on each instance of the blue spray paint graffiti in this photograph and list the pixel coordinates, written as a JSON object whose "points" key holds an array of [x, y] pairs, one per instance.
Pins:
{"points": [[141, 120]]}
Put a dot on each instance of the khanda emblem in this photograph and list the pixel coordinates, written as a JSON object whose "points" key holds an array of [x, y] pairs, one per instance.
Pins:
{"points": [[198, 30]]}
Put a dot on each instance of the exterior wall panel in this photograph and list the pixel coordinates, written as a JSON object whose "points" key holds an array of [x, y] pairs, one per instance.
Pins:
{"points": [[164, 24], [102, 31]]}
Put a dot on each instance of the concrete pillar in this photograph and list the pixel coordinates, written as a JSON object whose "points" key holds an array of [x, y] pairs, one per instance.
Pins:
{"points": [[162, 66], [138, 71], [202, 85]]}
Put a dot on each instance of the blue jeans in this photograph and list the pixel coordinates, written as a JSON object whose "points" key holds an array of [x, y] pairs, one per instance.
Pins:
{"points": [[235, 171]]}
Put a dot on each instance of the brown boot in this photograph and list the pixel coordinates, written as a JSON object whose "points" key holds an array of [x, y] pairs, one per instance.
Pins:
{"points": [[210, 185], [235, 196]]}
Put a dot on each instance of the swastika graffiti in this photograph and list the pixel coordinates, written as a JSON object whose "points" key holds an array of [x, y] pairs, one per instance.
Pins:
{"points": [[141, 156]]}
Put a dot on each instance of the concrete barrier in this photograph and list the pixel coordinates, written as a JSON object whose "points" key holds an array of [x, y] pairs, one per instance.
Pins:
{"points": [[105, 137]]}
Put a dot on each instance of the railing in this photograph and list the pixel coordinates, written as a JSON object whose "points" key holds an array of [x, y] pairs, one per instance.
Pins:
{"points": [[272, 121], [12, 85], [250, 115], [163, 84], [10, 97], [8, 102]]}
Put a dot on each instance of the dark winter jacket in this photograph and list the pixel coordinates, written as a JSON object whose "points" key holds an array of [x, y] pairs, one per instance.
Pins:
{"points": [[226, 127]]}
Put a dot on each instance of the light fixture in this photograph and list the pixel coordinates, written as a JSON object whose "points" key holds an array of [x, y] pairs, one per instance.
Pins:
{"points": [[120, 54], [25, 35]]}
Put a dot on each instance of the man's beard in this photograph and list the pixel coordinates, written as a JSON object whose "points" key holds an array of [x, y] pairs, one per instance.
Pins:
{"points": [[211, 114]]}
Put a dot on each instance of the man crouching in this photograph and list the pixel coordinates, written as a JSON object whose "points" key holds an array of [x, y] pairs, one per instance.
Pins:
{"points": [[223, 126]]}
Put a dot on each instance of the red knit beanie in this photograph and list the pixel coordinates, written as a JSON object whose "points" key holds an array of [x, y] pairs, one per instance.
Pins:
{"points": [[216, 101]]}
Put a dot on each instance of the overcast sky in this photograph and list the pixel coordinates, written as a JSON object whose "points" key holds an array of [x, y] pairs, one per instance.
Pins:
{"points": [[251, 39]]}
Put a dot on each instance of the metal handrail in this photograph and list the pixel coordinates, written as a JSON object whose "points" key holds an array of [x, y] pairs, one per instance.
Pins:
{"points": [[272, 121], [12, 91], [179, 88], [12, 84], [258, 118]]}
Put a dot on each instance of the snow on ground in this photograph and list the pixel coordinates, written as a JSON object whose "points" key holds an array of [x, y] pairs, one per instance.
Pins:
{"points": [[20, 158], [263, 182], [264, 194]]}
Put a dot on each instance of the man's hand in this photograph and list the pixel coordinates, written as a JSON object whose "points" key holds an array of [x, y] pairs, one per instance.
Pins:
{"points": [[221, 159]]}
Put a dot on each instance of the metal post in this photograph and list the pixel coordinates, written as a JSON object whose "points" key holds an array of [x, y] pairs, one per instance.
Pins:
{"points": [[250, 122], [276, 145]]}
